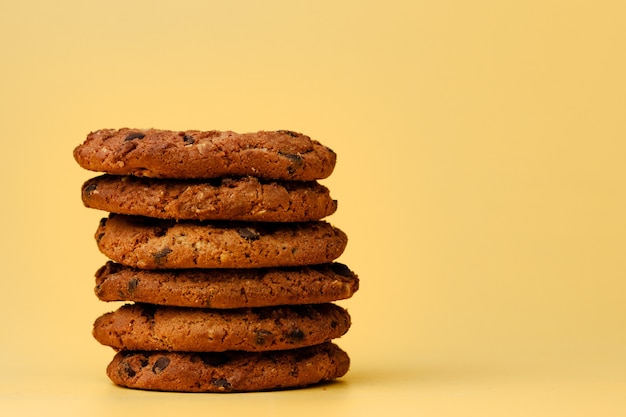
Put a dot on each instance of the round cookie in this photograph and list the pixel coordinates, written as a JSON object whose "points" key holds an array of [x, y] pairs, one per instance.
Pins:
{"points": [[148, 243], [276, 155], [227, 288], [228, 371], [150, 327], [247, 198]]}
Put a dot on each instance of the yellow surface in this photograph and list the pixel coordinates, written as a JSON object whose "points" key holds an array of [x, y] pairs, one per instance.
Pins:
{"points": [[481, 181]]}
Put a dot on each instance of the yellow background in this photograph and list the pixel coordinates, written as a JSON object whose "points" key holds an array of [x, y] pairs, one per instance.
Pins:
{"points": [[480, 178]]}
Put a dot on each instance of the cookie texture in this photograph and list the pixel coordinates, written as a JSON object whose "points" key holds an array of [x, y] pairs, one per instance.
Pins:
{"points": [[149, 327], [148, 243], [277, 155], [247, 198], [227, 288], [228, 371]]}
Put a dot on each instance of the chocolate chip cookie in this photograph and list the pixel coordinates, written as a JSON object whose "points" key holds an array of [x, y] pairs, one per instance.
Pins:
{"points": [[150, 327], [246, 199], [216, 239], [227, 288], [280, 155], [228, 371], [149, 243]]}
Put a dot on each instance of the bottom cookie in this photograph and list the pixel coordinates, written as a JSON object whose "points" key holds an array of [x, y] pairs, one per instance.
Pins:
{"points": [[228, 371]]}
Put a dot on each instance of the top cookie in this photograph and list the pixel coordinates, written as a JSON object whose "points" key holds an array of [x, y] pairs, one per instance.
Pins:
{"points": [[278, 155]]}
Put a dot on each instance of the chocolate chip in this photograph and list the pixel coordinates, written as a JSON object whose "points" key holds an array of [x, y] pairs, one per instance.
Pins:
{"points": [[296, 334], [160, 256], [222, 384], [289, 132], [160, 365], [143, 361], [160, 231], [132, 285], [134, 135], [127, 369], [109, 268], [103, 223], [293, 157], [341, 269], [188, 139], [90, 189], [262, 337], [248, 233], [334, 324]]}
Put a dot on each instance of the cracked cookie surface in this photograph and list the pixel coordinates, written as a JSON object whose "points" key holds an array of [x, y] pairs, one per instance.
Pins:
{"points": [[280, 155], [227, 288], [243, 199], [228, 371], [149, 327], [149, 243]]}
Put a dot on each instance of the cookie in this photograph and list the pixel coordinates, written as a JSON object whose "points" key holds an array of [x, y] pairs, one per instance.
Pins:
{"points": [[228, 371], [227, 288], [280, 155], [247, 198], [150, 327], [148, 243]]}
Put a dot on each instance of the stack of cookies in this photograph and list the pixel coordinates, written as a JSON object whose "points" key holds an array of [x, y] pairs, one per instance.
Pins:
{"points": [[217, 245]]}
